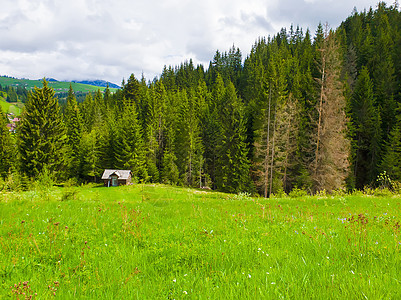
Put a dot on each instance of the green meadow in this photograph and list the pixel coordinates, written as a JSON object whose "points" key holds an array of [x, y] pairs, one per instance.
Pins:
{"points": [[161, 242], [9, 107]]}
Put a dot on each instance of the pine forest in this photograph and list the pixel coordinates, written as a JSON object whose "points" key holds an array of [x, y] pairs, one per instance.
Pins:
{"points": [[318, 111]]}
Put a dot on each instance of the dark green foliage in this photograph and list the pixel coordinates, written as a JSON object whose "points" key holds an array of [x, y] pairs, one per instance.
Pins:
{"points": [[232, 173], [281, 119], [366, 123], [392, 158], [73, 124], [41, 135], [129, 151], [188, 143], [6, 149]]}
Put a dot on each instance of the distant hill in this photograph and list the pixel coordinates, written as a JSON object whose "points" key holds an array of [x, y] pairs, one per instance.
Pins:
{"points": [[58, 86], [100, 83]]}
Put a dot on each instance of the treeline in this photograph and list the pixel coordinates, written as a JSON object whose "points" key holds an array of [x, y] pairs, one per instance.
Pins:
{"points": [[315, 113], [19, 94]]}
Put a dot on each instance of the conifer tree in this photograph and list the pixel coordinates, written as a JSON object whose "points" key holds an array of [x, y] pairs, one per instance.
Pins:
{"points": [[170, 173], [89, 161], [5, 146], [73, 124], [211, 133], [41, 134], [188, 144], [232, 173], [366, 124], [331, 163], [87, 109], [392, 159], [132, 90], [286, 133], [130, 152]]}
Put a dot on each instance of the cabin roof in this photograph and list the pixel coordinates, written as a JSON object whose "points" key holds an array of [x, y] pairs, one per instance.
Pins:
{"points": [[121, 174]]}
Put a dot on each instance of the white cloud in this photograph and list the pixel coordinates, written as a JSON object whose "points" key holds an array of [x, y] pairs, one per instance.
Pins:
{"points": [[110, 39]]}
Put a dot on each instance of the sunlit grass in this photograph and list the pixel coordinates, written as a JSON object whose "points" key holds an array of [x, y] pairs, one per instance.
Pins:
{"points": [[147, 241]]}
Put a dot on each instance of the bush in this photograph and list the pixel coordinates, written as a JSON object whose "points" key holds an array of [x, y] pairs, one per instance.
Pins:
{"points": [[297, 193], [384, 181], [69, 190]]}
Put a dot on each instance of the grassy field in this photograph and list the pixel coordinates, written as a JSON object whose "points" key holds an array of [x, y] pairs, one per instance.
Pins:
{"points": [[160, 242], [58, 86], [10, 107]]}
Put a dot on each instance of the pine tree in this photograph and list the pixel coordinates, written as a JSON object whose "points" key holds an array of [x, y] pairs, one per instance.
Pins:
{"points": [[170, 173], [132, 91], [232, 173], [331, 163], [73, 124], [366, 124], [392, 159], [41, 134], [87, 109], [266, 137], [211, 133], [5, 146], [286, 134], [188, 144], [129, 151]]}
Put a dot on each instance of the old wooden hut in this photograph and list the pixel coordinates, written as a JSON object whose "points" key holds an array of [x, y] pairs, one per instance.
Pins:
{"points": [[116, 177]]}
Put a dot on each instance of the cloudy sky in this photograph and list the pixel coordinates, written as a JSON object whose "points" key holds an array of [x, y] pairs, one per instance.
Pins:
{"points": [[110, 39]]}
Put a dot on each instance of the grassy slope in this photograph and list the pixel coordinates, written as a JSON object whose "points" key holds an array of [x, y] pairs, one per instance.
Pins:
{"points": [[159, 242], [57, 86], [9, 107]]}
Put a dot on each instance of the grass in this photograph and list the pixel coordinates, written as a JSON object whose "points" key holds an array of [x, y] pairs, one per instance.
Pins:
{"points": [[10, 107], [160, 242]]}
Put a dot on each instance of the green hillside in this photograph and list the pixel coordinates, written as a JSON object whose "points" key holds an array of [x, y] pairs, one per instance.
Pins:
{"points": [[9, 107], [58, 86]]}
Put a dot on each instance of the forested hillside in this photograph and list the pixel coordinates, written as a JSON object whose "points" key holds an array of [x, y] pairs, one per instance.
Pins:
{"points": [[317, 111]]}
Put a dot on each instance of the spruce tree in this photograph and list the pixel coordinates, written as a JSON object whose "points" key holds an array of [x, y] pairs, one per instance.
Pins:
{"points": [[87, 109], [89, 161], [331, 163], [73, 124], [232, 173], [392, 159], [211, 133], [366, 124], [5, 146], [130, 152], [41, 134], [188, 144]]}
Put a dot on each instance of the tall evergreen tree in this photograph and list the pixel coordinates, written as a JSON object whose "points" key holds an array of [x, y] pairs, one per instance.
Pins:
{"points": [[41, 134], [130, 152], [73, 124], [87, 109], [189, 145], [366, 123], [232, 174], [6, 148], [392, 159], [212, 129]]}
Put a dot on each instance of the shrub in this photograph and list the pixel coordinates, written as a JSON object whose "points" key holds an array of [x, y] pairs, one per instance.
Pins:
{"points": [[297, 193]]}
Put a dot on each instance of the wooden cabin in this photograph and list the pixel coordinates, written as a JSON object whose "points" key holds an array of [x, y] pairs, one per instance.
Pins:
{"points": [[116, 177]]}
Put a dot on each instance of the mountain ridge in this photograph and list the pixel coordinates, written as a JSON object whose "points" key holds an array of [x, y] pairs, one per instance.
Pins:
{"points": [[98, 82]]}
